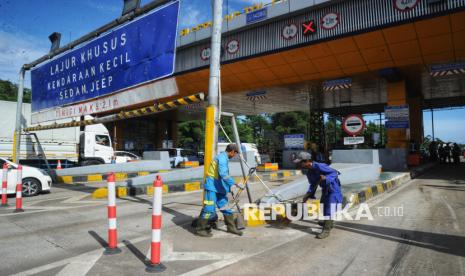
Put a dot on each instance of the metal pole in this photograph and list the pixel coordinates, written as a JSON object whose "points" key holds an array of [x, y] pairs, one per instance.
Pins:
{"points": [[212, 114], [241, 155], [335, 131], [432, 122], [381, 129], [19, 115]]}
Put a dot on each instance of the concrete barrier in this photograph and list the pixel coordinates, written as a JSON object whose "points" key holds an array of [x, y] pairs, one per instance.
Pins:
{"points": [[122, 171], [256, 218], [183, 186], [393, 160], [188, 174], [355, 166], [156, 155]]}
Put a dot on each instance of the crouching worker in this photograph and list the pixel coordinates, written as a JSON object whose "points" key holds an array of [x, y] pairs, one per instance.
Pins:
{"points": [[327, 178], [218, 184]]}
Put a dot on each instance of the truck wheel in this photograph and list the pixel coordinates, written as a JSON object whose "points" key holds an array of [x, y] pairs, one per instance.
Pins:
{"points": [[31, 187]]}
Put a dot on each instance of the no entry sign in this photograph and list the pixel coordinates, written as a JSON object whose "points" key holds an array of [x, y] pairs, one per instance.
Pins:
{"points": [[353, 124]]}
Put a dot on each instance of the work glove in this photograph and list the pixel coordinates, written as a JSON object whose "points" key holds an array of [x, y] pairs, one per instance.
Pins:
{"points": [[308, 196]]}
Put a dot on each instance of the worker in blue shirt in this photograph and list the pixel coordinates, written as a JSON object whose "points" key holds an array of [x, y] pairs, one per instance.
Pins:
{"points": [[320, 174], [218, 184]]}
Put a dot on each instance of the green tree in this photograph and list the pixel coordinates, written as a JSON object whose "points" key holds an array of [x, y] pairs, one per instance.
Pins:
{"points": [[370, 130], [333, 130], [191, 134], [9, 92], [260, 124], [289, 123], [245, 131]]}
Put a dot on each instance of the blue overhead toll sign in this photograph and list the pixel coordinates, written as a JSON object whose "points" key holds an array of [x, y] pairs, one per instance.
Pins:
{"points": [[137, 52], [257, 15]]}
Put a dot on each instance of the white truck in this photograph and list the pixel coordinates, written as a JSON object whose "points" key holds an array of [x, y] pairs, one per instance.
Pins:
{"points": [[69, 145], [245, 147]]}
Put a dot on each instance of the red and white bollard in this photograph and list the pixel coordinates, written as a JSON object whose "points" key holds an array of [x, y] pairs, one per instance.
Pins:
{"points": [[112, 233], [155, 264], [5, 185], [19, 190]]}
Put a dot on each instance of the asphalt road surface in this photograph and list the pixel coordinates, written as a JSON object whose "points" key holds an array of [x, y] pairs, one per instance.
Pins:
{"points": [[418, 229]]}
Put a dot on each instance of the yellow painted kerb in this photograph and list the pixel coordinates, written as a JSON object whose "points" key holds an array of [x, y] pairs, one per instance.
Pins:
{"points": [[191, 186], [100, 193], [94, 178], [67, 179]]}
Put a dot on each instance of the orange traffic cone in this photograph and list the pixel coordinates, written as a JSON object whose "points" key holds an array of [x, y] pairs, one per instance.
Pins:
{"points": [[59, 165]]}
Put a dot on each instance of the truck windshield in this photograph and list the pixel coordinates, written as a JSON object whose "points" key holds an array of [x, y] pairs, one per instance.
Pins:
{"points": [[102, 140]]}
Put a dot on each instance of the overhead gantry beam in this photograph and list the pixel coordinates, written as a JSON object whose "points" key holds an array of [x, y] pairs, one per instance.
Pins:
{"points": [[144, 111]]}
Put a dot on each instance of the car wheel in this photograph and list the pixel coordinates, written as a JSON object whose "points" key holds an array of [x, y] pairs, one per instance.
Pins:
{"points": [[31, 187]]}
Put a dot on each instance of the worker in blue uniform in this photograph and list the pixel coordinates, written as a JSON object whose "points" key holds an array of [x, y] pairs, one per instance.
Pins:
{"points": [[218, 184], [320, 174]]}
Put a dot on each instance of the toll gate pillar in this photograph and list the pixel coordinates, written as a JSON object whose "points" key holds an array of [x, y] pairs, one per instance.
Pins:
{"points": [[397, 95], [416, 120]]}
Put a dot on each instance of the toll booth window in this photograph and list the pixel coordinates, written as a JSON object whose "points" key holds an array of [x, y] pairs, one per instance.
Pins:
{"points": [[102, 140]]}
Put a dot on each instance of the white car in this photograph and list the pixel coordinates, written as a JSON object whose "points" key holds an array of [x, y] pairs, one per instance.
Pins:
{"points": [[124, 156], [35, 180], [178, 155]]}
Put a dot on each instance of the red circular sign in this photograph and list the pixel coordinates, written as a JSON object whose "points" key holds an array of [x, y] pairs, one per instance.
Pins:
{"points": [[205, 53], [330, 20], [232, 46], [353, 124], [405, 5], [289, 31]]}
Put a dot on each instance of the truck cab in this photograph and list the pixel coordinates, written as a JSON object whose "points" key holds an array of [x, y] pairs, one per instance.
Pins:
{"points": [[95, 146]]}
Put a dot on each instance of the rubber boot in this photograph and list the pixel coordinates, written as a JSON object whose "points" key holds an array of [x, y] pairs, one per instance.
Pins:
{"points": [[201, 229], [326, 229], [231, 225], [194, 225], [213, 224], [322, 223]]}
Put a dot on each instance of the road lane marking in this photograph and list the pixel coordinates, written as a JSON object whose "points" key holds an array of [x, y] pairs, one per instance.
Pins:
{"points": [[170, 255], [452, 214], [75, 263], [81, 266], [221, 264]]}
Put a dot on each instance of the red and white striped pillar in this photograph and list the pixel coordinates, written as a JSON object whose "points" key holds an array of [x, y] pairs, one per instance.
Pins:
{"points": [[19, 189], [112, 232], [155, 264], [5, 185]]}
